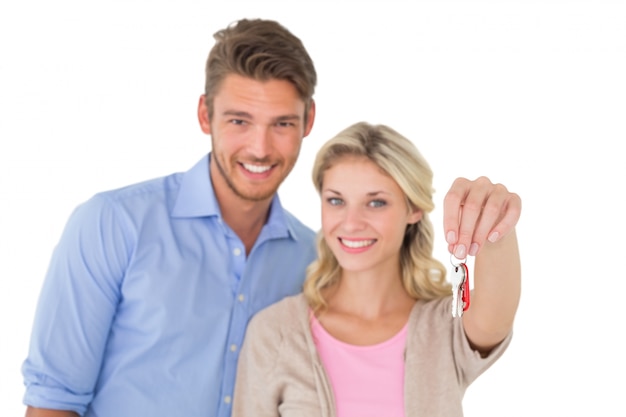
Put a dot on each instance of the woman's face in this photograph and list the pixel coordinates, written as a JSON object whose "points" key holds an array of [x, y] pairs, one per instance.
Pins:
{"points": [[364, 215]]}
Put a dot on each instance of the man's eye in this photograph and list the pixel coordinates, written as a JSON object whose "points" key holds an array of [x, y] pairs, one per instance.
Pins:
{"points": [[237, 122], [285, 124]]}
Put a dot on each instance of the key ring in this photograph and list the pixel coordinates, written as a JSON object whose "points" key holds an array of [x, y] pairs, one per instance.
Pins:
{"points": [[460, 261]]}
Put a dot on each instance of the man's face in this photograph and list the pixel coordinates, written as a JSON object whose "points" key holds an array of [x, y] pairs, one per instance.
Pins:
{"points": [[256, 133]]}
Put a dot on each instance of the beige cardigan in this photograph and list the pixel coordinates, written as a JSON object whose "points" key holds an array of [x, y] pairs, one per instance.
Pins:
{"points": [[280, 373]]}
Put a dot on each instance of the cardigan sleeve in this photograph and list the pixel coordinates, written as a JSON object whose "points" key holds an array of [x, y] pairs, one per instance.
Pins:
{"points": [[256, 391]]}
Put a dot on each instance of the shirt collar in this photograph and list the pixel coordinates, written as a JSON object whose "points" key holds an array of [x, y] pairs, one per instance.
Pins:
{"points": [[196, 198]]}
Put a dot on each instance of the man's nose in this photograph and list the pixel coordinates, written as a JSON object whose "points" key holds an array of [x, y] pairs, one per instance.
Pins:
{"points": [[260, 142]]}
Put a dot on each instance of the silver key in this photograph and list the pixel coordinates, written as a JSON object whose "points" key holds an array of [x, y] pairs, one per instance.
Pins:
{"points": [[457, 280]]}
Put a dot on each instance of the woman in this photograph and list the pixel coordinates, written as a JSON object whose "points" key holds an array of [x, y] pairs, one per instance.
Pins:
{"points": [[373, 332]]}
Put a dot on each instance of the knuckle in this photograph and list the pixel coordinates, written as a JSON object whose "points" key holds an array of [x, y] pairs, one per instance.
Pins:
{"points": [[472, 206], [501, 188], [460, 181], [491, 209]]}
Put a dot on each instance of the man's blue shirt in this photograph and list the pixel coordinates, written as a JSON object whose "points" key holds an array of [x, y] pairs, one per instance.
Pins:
{"points": [[147, 298]]}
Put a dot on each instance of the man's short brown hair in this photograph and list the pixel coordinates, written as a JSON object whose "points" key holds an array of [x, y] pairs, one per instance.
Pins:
{"points": [[262, 50]]}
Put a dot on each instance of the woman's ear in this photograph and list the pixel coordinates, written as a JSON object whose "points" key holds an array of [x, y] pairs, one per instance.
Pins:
{"points": [[415, 216]]}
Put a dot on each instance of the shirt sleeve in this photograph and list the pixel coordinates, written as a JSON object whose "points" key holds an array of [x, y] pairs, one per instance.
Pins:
{"points": [[76, 306]]}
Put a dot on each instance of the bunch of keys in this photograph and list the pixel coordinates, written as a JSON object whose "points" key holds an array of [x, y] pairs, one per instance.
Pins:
{"points": [[460, 287]]}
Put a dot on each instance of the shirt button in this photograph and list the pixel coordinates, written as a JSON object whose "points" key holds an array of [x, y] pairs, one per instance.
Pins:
{"points": [[237, 251], [233, 348], [227, 399], [241, 297]]}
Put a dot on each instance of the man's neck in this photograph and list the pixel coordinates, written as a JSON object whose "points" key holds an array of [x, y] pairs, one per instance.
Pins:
{"points": [[246, 218]]}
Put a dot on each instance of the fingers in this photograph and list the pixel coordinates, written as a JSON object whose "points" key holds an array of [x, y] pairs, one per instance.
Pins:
{"points": [[476, 212]]}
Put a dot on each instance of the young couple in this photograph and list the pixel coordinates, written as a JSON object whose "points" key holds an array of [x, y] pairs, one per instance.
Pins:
{"points": [[151, 288]]}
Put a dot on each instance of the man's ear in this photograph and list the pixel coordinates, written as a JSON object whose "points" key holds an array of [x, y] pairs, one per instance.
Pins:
{"points": [[203, 115], [310, 119]]}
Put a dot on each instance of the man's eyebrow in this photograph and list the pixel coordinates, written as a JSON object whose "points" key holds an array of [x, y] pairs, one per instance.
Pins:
{"points": [[237, 113], [246, 115], [288, 117]]}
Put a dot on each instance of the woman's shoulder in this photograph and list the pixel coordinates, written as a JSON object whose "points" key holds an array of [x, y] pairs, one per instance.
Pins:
{"points": [[279, 326], [438, 308], [286, 313], [433, 316]]}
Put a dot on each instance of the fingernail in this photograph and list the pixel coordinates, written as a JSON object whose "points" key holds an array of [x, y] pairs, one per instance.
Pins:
{"points": [[473, 249], [460, 252], [493, 237], [451, 237]]}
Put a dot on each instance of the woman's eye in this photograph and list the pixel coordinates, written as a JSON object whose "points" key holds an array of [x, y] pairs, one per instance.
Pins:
{"points": [[377, 203], [334, 201]]}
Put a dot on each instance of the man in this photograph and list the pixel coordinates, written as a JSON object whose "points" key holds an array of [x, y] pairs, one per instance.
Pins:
{"points": [[151, 286]]}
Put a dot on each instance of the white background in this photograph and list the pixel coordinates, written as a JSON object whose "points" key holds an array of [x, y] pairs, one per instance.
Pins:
{"points": [[99, 94]]}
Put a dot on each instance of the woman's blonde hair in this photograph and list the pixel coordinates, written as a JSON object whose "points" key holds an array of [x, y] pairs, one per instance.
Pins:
{"points": [[423, 276]]}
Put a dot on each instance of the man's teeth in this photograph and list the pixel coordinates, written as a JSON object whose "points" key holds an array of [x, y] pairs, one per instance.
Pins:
{"points": [[357, 243], [257, 169]]}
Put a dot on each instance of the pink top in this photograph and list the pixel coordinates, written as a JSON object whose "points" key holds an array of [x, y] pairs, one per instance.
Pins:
{"points": [[366, 380]]}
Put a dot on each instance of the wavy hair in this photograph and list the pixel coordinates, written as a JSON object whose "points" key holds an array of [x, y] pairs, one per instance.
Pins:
{"points": [[423, 276]]}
